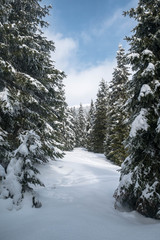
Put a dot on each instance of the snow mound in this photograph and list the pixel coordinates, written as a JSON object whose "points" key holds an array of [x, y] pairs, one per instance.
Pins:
{"points": [[139, 123]]}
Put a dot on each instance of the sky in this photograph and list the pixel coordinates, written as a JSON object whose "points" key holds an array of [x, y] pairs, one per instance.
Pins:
{"points": [[86, 35]]}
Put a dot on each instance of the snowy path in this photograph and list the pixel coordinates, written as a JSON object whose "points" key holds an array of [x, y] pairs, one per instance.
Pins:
{"points": [[77, 205]]}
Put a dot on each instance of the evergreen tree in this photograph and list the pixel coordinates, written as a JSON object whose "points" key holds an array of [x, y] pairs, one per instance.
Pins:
{"points": [[29, 96], [89, 127], [74, 122], [68, 130], [99, 125], [80, 128], [139, 187], [117, 129]]}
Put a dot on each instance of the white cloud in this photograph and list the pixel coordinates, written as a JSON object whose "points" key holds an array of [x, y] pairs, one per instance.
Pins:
{"points": [[65, 52], [81, 85]]}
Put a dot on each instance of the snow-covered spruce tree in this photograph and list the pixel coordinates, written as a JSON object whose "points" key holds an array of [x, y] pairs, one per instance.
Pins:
{"points": [[89, 127], [68, 130], [139, 187], [80, 128], [99, 125], [117, 129], [29, 97], [4, 146]]}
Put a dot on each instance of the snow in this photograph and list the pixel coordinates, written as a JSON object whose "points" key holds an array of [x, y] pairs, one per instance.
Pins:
{"points": [[77, 204], [25, 138], [4, 97], [150, 68], [133, 55], [2, 136], [7, 65], [2, 171], [125, 181], [139, 123], [145, 90], [35, 82], [158, 125], [157, 84], [49, 129], [150, 190], [147, 52], [22, 149], [11, 182]]}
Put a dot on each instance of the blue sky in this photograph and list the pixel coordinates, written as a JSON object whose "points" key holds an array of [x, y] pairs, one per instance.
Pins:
{"points": [[86, 35]]}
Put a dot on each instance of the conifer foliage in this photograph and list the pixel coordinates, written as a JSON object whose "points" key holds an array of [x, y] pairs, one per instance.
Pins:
{"points": [[80, 128], [117, 129], [139, 187], [68, 130], [99, 124], [30, 101], [89, 127]]}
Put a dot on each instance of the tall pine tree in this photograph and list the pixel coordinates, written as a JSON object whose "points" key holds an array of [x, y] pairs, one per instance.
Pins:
{"points": [[89, 127], [99, 125], [30, 104], [139, 187], [117, 129], [80, 128], [68, 130]]}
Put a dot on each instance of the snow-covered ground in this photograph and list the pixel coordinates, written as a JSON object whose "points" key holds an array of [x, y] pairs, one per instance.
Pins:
{"points": [[78, 204]]}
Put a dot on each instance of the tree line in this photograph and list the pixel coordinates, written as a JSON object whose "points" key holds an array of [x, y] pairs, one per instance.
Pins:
{"points": [[104, 127]]}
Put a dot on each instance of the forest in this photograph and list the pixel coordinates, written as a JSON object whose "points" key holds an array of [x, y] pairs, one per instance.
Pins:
{"points": [[37, 125]]}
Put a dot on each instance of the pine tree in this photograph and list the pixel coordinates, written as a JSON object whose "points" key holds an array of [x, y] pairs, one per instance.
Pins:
{"points": [[99, 125], [66, 119], [74, 122], [117, 129], [80, 128], [139, 187], [29, 96], [89, 127], [68, 130]]}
